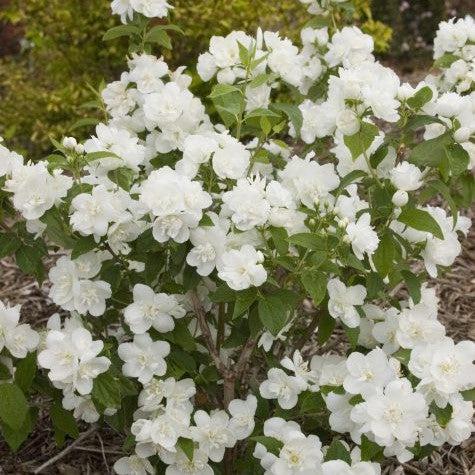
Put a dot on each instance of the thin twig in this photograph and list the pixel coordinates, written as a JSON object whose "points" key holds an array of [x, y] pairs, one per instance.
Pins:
{"points": [[206, 332], [64, 452]]}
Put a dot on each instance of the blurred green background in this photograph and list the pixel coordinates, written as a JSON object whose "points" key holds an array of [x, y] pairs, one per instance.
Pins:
{"points": [[50, 50]]}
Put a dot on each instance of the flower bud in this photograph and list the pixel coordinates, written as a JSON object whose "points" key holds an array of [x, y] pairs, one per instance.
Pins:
{"points": [[347, 122], [70, 143], [400, 198], [462, 135]]}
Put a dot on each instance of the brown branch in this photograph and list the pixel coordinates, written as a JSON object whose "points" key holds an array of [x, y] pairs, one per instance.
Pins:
{"points": [[206, 332], [68, 449], [310, 330], [246, 353]]}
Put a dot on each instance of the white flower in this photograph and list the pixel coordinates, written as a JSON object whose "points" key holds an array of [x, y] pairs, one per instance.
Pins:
{"points": [[282, 387], [368, 373], [242, 413], [330, 369], [343, 300], [90, 297], [151, 8], [209, 245], [339, 467], [144, 357], [308, 181], [82, 406], [17, 339], [152, 310], [247, 203], [393, 415], [176, 201], [301, 369], [231, 159], [350, 47], [444, 366], [299, 454], [241, 269], [71, 357], [133, 465], [197, 466], [362, 236], [92, 213], [415, 327], [406, 177], [35, 190], [212, 433]]}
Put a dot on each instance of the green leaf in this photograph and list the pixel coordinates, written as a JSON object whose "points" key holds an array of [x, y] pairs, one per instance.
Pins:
{"points": [[4, 372], [439, 187], [183, 360], [28, 259], [64, 421], [220, 90], [92, 156], [273, 313], [187, 446], [374, 285], [13, 406], [349, 179], [310, 241], [326, 325], [420, 220], [82, 246], [293, 113], [370, 451], [15, 437], [25, 372], [223, 294], [353, 335], [430, 152], [403, 355], [118, 31], [385, 254], [417, 121], [206, 221], [337, 451], [445, 60], [84, 122], [122, 177], [315, 283], [442, 415], [272, 445], [280, 240], [191, 278], [106, 390], [413, 285], [360, 142], [468, 395], [158, 35], [311, 403], [458, 158], [420, 98], [57, 229], [244, 300], [9, 243], [260, 112]]}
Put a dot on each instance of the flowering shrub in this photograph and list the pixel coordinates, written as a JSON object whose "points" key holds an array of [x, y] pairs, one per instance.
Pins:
{"points": [[209, 247]]}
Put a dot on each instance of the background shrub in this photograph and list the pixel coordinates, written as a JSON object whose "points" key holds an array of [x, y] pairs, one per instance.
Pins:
{"points": [[52, 49]]}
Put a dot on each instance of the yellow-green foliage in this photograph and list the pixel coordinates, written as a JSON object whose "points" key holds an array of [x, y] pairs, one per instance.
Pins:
{"points": [[42, 89]]}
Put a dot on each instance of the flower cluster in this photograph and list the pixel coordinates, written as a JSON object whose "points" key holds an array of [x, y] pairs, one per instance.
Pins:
{"points": [[210, 229]]}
